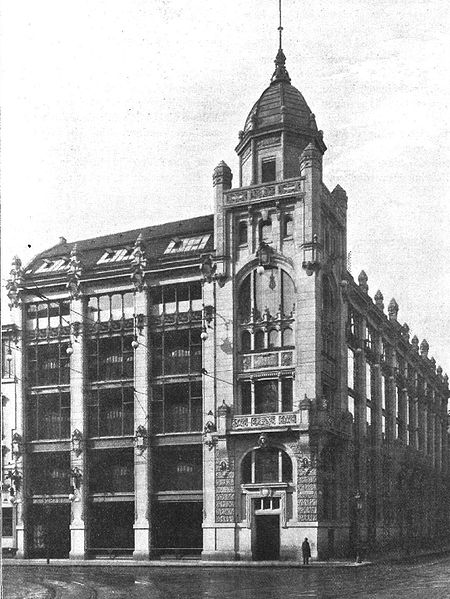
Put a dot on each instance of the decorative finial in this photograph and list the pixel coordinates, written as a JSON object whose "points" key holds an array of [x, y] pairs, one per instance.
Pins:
{"points": [[138, 263], [280, 73], [393, 309], [362, 280], [379, 300], [74, 273], [424, 348], [14, 282], [415, 343]]}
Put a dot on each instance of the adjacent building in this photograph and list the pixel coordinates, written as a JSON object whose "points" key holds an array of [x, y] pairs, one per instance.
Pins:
{"points": [[221, 386]]}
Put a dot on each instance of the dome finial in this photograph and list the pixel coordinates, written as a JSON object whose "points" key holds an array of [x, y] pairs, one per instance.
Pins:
{"points": [[280, 73]]}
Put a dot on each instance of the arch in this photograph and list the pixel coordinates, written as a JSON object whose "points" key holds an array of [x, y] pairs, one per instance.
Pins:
{"points": [[272, 290]]}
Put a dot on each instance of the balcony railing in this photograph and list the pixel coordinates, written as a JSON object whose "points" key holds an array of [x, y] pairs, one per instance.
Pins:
{"points": [[263, 421], [266, 190]]}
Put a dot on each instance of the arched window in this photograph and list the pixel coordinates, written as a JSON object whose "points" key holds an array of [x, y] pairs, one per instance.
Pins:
{"points": [[259, 340], [288, 226], [246, 341], [273, 338], [265, 231], [270, 291], [288, 337], [242, 233], [269, 465]]}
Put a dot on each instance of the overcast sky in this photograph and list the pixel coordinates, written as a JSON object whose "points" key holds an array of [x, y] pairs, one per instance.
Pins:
{"points": [[116, 112]]}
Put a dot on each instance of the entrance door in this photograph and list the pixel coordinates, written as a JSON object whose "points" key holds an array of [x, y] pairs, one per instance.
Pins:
{"points": [[267, 542]]}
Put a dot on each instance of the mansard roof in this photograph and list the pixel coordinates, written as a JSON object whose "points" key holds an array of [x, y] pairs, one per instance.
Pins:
{"points": [[186, 238]]}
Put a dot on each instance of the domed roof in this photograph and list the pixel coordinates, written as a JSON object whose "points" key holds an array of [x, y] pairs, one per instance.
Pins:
{"points": [[280, 103]]}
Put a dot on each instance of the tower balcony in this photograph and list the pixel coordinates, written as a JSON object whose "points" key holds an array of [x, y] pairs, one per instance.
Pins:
{"points": [[256, 193]]}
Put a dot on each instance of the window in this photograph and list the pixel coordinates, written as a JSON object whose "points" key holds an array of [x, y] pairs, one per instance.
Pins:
{"points": [[178, 468], [7, 522], [116, 255], [44, 315], [268, 170], [7, 358], [265, 293], [246, 342], [111, 471], [187, 244], [267, 396], [177, 407], [50, 473], [170, 299], [288, 226], [350, 369], [351, 405], [48, 364], [328, 319], [110, 412], [288, 337], [177, 352], [110, 358], [115, 306], [265, 231], [242, 233], [49, 415], [268, 465], [368, 381]]}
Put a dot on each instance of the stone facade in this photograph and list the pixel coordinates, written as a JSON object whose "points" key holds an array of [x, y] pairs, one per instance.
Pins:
{"points": [[222, 386]]}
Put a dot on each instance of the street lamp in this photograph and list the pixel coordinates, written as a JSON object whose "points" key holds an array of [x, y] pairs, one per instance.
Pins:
{"points": [[358, 506]]}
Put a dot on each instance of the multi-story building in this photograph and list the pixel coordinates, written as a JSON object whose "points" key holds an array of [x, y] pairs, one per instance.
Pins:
{"points": [[221, 385]]}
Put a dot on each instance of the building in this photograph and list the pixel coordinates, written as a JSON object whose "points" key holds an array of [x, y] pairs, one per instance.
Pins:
{"points": [[221, 386]]}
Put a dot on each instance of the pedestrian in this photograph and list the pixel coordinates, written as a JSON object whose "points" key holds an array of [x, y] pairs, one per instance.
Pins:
{"points": [[306, 552]]}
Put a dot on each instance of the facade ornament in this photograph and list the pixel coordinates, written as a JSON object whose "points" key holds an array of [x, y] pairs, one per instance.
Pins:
{"points": [[415, 344], [264, 253], [393, 309], [263, 440], [280, 73], [424, 348], [138, 262], [208, 269], [222, 175], [14, 283], [311, 256], [405, 328], [362, 281], [439, 370], [74, 274], [379, 300], [208, 438], [433, 363]]}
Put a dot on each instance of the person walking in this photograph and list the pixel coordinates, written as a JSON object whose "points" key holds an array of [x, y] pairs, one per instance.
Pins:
{"points": [[306, 552]]}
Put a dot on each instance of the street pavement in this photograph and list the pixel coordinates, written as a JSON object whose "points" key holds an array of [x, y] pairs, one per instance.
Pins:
{"points": [[421, 578]]}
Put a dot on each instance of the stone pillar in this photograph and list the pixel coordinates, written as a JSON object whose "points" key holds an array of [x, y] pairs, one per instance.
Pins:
{"points": [[142, 454], [78, 461], [18, 318]]}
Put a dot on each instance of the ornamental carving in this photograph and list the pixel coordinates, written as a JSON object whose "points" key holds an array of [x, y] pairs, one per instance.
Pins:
{"points": [[74, 274], [14, 283], [138, 263]]}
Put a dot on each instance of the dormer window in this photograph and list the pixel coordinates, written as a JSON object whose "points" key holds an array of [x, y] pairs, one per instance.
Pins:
{"points": [[268, 170]]}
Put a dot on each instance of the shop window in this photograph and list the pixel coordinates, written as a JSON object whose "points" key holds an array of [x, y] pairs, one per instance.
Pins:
{"points": [[49, 415], [50, 473], [111, 471], [177, 352], [242, 233], [268, 170], [44, 315], [270, 465], [178, 468], [110, 358], [170, 299], [288, 226], [177, 407], [114, 306], [48, 364], [110, 412]]}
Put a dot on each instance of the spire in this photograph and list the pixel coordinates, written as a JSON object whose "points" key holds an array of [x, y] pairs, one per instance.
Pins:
{"points": [[280, 73]]}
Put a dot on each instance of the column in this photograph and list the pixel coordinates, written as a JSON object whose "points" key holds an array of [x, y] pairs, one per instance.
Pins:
{"points": [[78, 424], [17, 315], [142, 455]]}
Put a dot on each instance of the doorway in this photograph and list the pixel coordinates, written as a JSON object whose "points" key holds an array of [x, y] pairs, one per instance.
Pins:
{"points": [[267, 537], [49, 531]]}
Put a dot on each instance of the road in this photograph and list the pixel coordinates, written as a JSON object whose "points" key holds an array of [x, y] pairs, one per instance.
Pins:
{"points": [[425, 578]]}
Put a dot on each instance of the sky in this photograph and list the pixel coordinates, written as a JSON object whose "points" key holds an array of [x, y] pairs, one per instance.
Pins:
{"points": [[115, 113]]}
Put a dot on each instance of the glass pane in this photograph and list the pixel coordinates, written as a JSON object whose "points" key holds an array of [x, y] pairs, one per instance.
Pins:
{"points": [[288, 227], [31, 316], [196, 291], [128, 305], [259, 340], [267, 292], [288, 338], [42, 314], [116, 306], [266, 465], [170, 305], [288, 293], [93, 309], [246, 397], [103, 308], [286, 465], [247, 469], [54, 314], [286, 395], [273, 338], [246, 341], [266, 396], [244, 299], [242, 233]]}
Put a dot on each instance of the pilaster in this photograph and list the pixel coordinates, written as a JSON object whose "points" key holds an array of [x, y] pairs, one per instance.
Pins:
{"points": [[142, 452]]}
